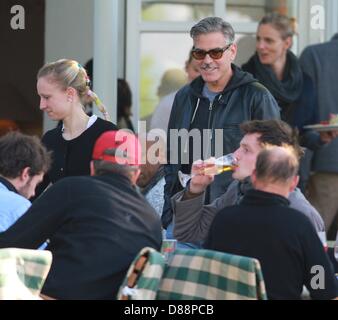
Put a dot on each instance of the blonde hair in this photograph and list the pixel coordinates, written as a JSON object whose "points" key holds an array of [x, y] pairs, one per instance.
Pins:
{"points": [[69, 73]]}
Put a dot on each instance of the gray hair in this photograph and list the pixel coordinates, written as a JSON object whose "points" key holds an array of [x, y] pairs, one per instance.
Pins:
{"points": [[213, 24]]}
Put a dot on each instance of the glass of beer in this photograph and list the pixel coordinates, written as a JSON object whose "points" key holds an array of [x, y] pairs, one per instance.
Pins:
{"points": [[168, 248], [211, 167]]}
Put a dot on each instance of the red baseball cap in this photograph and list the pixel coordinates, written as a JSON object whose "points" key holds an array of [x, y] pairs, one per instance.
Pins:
{"points": [[120, 147]]}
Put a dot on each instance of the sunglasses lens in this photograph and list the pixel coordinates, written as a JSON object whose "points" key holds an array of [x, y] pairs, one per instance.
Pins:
{"points": [[199, 54], [216, 53]]}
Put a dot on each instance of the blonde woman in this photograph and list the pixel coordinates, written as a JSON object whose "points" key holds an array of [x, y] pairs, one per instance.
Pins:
{"points": [[63, 87]]}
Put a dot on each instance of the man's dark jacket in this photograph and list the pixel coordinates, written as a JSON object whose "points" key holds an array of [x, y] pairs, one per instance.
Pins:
{"points": [[243, 99], [95, 226]]}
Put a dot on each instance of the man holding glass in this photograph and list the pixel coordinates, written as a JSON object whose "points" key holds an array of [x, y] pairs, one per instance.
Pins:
{"points": [[193, 218]]}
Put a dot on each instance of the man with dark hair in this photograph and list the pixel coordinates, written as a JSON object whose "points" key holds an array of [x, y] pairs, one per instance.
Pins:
{"points": [[220, 99], [192, 219], [262, 226], [23, 162], [95, 225]]}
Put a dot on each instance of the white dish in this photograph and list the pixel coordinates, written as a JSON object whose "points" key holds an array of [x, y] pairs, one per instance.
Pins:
{"points": [[322, 127]]}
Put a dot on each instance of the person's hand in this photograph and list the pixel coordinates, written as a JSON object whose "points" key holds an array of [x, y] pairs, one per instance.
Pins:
{"points": [[200, 181], [328, 136]]}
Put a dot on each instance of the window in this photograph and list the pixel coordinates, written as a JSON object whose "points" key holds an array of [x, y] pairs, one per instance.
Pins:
{"points": [[176, 10], [254, 10], [161, 52]]}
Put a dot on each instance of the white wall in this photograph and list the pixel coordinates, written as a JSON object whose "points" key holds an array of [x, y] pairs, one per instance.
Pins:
{"points": [[69, 33], [332, 21], [69, 29]]}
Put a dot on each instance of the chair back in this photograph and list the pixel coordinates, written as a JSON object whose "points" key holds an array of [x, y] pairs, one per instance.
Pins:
{"points": [[23, 273], [194, 275]]}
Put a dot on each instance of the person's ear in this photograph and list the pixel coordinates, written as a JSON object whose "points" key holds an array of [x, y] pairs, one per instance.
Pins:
{"points": [[253, 177], [24, 176], [288, 43], [233, 52], [92, 169], [134, 176], [71, 92], [294, 183]]}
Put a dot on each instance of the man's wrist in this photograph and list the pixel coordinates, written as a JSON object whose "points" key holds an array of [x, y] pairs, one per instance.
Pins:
{"points": [[190, 195]]}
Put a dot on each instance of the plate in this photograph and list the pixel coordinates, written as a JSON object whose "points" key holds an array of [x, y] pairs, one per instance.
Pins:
{"points": [[322, 127]]}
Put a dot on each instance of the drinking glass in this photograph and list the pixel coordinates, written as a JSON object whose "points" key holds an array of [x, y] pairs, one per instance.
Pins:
{"points": [[218, 166], [168, 248]]}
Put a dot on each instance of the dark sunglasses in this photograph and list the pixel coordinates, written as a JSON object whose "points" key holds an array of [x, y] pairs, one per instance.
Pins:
{"points": [[216, 53]]}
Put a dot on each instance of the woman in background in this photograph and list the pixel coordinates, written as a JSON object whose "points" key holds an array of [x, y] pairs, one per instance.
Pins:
{"points": [[63, 87], [278, 69]]}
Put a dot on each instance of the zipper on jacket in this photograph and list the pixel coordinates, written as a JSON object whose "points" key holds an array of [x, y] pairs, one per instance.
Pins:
{"points": [[210, 127], [211, 105], [185, 150]]}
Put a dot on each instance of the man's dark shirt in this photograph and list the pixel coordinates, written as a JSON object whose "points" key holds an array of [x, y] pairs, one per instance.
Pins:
{"points": [[262, 226]]}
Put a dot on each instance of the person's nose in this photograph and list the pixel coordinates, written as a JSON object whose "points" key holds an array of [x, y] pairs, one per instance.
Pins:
{"points": [[42, 104], [237, 154], [207, 59], [260, 45]]}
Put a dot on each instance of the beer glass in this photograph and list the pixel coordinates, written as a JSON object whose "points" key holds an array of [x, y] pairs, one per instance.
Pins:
{"points": [[218, 166]]}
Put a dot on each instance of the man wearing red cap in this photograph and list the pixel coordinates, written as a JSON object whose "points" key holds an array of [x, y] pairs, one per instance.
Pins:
{"points": [[95, 225]]}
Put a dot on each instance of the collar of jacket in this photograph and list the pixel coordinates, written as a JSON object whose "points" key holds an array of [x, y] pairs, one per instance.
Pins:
{"points": [[113, 178], [238, 79], [8, 185], [261, 198], [244, 186]]}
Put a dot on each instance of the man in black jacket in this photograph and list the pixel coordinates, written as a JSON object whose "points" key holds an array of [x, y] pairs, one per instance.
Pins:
{"points": [[95, 225], [263, 226], [219, 100]]}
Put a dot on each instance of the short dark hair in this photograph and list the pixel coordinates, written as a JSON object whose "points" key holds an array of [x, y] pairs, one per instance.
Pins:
{"points": [[124, 98], [277, 164], [19, 151], [273, 132], [105, 167]]}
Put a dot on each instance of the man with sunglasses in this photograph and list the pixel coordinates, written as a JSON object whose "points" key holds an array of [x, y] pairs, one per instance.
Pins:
{"points": [[221, 98]]}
